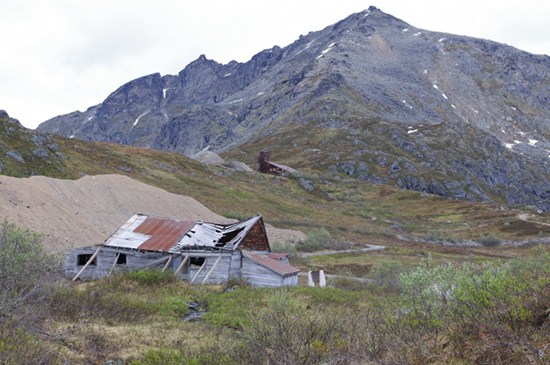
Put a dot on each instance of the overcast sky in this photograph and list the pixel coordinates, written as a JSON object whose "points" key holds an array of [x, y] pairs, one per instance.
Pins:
{"points": [[59, 56]]}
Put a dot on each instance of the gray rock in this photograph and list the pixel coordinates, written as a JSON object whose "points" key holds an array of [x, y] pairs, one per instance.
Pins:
{"points": [[15, 155], [40, 152], [306, 184]]}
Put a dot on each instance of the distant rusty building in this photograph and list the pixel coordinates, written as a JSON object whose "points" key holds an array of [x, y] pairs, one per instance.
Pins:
{"points": [[266, 166], [199, 252]]}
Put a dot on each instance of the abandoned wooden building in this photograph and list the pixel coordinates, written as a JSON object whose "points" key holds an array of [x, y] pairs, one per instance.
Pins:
{"points": [[266, 166], [200, 252]]}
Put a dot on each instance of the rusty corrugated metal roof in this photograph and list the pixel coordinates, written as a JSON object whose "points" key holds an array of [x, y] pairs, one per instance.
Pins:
{"points": [[164, 233], [277, 255], [142, 232], [282, 167], [274, 265]]}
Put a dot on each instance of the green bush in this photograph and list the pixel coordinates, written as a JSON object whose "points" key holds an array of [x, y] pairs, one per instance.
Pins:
{"points": [[27, 275], [151, 277], [317, 239]]}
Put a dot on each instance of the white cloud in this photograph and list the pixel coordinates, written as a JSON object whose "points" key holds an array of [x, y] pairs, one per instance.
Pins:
{"points": [[62, 55]]}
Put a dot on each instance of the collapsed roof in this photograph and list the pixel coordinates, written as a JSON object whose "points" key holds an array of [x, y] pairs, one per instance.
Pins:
{"points": [[145, 233]]}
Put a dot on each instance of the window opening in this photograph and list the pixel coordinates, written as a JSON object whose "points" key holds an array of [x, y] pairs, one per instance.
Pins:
{"points": [[197, 261], [121, 259], [84, 258]]}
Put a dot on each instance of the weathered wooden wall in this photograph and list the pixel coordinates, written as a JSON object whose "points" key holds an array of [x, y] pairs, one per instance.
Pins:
{"points": [[256, 238], [231, 264], [220, 273], [104, 262], [258, 275]]}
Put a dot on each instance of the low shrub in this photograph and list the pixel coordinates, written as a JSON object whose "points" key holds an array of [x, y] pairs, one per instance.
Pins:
{"points": [[18, 346], [98, 303], [151, 277]]}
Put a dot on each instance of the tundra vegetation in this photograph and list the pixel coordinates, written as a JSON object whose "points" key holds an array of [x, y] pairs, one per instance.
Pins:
{"points": [[432, 309]]}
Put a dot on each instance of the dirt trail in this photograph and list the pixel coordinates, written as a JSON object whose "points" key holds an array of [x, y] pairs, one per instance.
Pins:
{"points": [[84, 212], [525, 217]]}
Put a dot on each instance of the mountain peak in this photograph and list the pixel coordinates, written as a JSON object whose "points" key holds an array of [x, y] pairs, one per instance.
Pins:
{"points": [[396, 95]]}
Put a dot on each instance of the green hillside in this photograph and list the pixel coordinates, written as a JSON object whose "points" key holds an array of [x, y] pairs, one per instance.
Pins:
{"points": [[350, 209]]}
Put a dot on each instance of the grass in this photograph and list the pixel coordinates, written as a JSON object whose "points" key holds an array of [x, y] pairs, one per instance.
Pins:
{"points": [[393, 308]]}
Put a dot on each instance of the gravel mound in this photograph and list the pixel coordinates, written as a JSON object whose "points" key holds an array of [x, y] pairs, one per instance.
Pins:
{"points": [[74, 213]]}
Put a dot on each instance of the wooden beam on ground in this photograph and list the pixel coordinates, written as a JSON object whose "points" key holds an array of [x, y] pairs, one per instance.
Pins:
{"points": [[87, 263], [183, 262], [168, 263], [199, 270], [211, 270]]}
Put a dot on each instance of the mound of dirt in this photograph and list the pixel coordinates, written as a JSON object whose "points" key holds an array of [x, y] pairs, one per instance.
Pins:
{"points": [[87, 211]]}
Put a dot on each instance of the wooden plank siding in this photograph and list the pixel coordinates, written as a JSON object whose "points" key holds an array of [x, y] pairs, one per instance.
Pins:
{"points": [[220, 273], [256, 238], [105, 260], [260, 276]]}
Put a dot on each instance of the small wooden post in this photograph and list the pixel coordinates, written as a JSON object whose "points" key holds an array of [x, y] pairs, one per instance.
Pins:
{"points": [[87, 263], [184, 261], [211, 270]]}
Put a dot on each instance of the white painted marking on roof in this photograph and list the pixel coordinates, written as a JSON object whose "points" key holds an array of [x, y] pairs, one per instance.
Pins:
{"points": [[533, 142], [417, 34], [412, 131], [138, 118]]}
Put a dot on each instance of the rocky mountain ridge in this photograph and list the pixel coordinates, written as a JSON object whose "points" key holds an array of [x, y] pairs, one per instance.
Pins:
{"points": [[451, 115]]}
